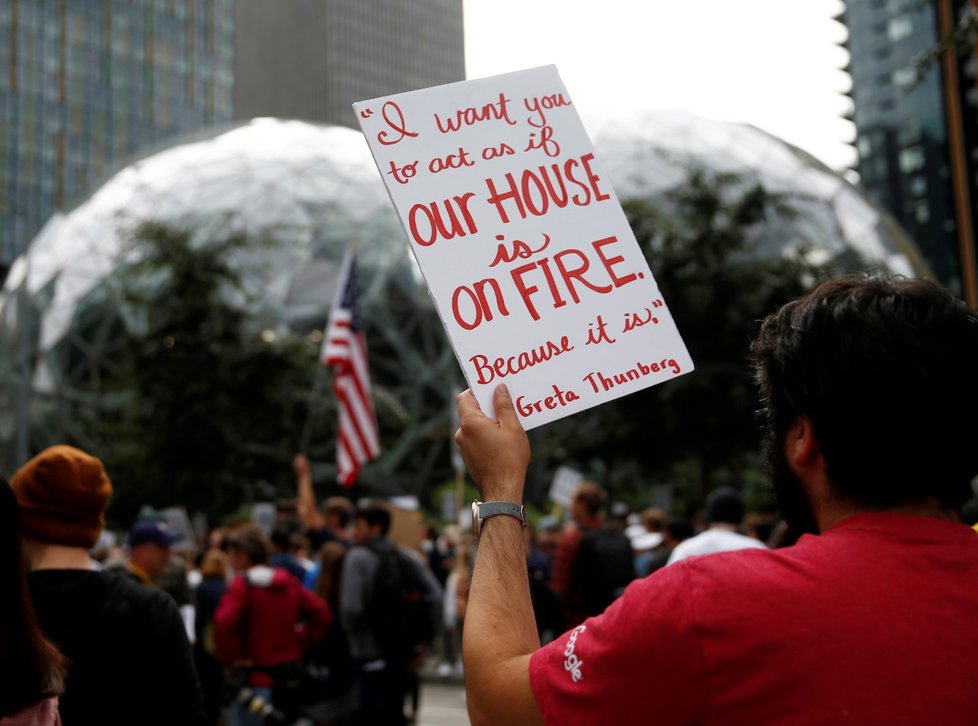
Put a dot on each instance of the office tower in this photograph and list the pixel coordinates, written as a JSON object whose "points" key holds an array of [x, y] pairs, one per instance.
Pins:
{"points": [[85, 86], [311, 59], [917, 126]]}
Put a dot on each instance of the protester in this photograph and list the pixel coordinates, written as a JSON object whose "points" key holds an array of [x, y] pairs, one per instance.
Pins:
{"points": [[537, 559], [208, 594], [455, 601], [676, 530], [129, 658], [337, 697], [868, 387], [593, 561], [32, 670], [329, 523], [265, 622], [150, 543], [383, 641], [282, 554], [724, 513], [151, 561]]}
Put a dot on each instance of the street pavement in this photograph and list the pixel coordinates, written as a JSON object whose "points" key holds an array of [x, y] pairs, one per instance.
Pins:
{"points": [[442, 703]]}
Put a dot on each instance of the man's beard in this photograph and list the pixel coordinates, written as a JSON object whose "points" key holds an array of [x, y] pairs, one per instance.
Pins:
{"points": [[788, 491]]}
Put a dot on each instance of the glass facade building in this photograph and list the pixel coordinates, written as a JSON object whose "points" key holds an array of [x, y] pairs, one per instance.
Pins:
{"points": [[85, 85], [315, 189], [917, 127]]}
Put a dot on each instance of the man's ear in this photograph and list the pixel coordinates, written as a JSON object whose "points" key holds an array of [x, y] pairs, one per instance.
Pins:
{"points": [[801, 446]]}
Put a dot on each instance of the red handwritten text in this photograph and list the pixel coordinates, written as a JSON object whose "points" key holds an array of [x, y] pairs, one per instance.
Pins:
{"points": [[602, 383], [545, 143], [495, 111], [455, 160], [564, 274], [427, 223], [597, 332], [558, 400], [538, 188], [520, 250], [571, 275], [486, 372], [536, 105], [403, 174], [638, 319], [395, 120], [494, 152]]}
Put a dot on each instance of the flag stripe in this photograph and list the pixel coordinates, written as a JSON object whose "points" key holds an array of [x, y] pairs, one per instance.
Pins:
{"points": [[345, 351]]}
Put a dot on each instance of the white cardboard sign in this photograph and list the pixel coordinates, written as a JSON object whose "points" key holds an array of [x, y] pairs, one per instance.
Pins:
{"points": [[565, 483], [524, 246]]}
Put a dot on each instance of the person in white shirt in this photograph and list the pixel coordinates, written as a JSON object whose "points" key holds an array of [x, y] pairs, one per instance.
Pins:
{"points": [[724, 512]]}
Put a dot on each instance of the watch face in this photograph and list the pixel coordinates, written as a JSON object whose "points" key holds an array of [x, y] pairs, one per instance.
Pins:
{"points": [[476, 524]]}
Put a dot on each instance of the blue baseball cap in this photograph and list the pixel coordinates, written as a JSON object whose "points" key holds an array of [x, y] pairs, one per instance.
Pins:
{"points": [[156, 532]]}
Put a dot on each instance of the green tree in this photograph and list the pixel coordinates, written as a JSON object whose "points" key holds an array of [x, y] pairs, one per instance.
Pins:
{"points": [[699, 430], [204, 410], [959, 39]]}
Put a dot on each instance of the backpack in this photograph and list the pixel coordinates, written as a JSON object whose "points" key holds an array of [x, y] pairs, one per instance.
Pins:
{"points": [[399, 614], [604, 567]]}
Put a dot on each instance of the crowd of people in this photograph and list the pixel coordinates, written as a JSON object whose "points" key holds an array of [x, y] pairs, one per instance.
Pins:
{"points": [[280, 623], [328, 614]]}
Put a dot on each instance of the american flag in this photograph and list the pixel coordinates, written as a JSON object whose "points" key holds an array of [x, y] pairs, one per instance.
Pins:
{"points": [[345, 351]]}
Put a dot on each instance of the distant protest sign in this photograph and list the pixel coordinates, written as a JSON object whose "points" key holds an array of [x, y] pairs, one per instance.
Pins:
{"points": [[565, 483], [524, 246]]}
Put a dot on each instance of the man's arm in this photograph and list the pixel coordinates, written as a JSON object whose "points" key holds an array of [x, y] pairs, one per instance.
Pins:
{"points": [[500, 633], [306, 498]]}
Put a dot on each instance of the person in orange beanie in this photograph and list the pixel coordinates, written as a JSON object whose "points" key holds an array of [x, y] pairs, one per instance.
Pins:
{"points": [[129, 660]]}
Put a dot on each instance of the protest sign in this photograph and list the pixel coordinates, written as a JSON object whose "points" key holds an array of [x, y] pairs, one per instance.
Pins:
{"points": [[524, 246], [178, 522], [565, 483]]}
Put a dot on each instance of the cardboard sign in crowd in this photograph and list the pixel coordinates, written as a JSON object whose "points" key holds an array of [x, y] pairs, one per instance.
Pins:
{"points": [[524, 246]]}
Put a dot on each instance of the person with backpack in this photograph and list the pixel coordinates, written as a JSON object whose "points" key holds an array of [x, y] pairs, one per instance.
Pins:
{"points": [[390, 605], [264, 624], [593, 562]]}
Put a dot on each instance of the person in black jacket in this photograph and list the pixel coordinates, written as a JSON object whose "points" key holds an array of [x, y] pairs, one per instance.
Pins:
{"points": [[32, 670], [129, 658]]}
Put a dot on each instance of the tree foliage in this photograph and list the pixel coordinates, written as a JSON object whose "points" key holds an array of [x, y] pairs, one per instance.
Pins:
{"points": [[208, 410]]}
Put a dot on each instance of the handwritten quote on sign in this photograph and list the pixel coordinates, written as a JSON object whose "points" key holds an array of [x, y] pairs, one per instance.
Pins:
{"points": [[524, 246]]}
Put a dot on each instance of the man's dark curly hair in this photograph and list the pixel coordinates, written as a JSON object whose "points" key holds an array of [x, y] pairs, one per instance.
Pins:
{"points": [[886, 370]]}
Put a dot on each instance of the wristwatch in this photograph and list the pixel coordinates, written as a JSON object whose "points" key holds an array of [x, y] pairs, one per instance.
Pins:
{"points": [[481, 511]]}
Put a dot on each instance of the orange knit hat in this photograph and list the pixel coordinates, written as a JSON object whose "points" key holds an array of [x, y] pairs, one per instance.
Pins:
{"points": [[62, 493]]}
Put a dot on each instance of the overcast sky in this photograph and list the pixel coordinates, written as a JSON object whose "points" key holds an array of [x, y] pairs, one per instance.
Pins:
{"points": [[772, 63]]}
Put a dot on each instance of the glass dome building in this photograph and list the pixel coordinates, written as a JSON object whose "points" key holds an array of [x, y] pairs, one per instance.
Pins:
{"points": [[314, 190]]}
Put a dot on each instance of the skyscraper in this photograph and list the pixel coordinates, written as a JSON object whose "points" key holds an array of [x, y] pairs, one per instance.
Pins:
{"points": [[311, 59], [86, 85], [917, 126]]}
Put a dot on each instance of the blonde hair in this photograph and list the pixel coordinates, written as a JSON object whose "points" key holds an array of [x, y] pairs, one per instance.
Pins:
{"points": [[214, 565]]}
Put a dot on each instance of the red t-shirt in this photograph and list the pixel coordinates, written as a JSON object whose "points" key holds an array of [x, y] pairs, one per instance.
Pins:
{"points": [[873, 622]]}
